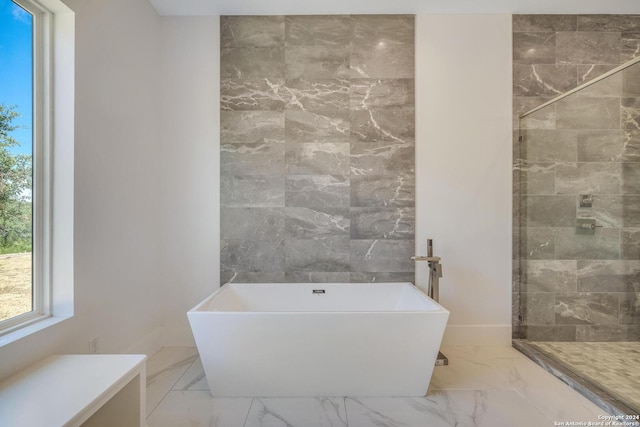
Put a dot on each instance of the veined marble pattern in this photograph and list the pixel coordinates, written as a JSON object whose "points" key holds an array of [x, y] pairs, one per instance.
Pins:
{"points": [[317, 132], [482, 386]]}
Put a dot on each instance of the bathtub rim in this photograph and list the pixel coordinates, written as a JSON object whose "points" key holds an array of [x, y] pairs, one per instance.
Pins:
{"points": [[197, 309]]}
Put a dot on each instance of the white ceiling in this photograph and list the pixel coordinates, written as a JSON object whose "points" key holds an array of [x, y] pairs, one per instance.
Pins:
{"points": [[315, 7]]}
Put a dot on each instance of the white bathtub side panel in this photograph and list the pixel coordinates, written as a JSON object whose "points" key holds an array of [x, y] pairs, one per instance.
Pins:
{"points": [[318, 354]]}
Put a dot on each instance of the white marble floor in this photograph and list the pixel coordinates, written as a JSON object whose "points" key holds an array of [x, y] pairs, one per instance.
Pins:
{"points": [[482, 386]]}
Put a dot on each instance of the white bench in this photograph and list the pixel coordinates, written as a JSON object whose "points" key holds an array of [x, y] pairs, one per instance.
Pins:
{"points": [[76, 390]]}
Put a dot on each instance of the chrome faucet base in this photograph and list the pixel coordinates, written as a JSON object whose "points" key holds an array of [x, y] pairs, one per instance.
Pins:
{"points": [[442, 360], [433, 289]]}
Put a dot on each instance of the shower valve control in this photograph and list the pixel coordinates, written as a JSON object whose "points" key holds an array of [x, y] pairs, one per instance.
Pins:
{"points": [[586, 226], [586, 200]]}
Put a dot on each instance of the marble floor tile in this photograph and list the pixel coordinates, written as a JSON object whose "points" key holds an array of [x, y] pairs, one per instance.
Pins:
{"points": [[163, 370], [198, 409], [463, 408], [504, 368], [481, 386], [297, 412], [193, 379]]}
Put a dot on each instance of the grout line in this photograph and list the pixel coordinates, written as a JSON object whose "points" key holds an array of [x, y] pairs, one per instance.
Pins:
{"points": [[170, 388], [346, 413], [246, 418]]}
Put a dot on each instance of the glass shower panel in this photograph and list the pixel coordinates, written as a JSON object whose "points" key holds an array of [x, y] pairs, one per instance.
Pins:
{"points": [[577, 219]]}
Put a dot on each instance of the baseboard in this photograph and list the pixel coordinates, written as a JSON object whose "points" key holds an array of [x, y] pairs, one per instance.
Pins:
{"points": [[150, 344], [484, 335]]}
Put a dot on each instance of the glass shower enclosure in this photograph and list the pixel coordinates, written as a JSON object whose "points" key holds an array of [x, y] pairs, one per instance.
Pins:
{"points": [[577, 237]]}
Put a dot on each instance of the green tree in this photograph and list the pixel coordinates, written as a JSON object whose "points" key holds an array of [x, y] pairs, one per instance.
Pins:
{"points": [[15, 189]]}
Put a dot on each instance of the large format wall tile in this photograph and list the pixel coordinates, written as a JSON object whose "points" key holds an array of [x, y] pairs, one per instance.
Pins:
{"points": [[317, 191], [549, 276], [317, 255], [611, 86], [630, 46], [251, 126], [537, 178], [383, 191], [319, 62], [608, 23], [535, 243], [382, 158], [306, 126], [383, 277], [609, 276], [544, 23], [252, 94], [381, 255], [369, 94], [630, 308], [382, 125], [252, 255], [587, 308], [317, 223], [382, 223], [576, 112], [534, 48], [631, 178], [252, 159], [543, 79], [317, 148], [549, 145], [318, 30], [605, 244], [550, 211], [584, 47], [252, 190], [251, 62], [252, 223], [251, 31], [588, 178], [630, 243], [607, 333], [317, 94], [600, 145], [382, 46], [321, 158], [631, 211]]}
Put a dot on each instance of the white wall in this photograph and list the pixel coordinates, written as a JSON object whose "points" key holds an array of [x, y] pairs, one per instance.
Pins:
{"points": [[191, 172], [463, 169], [117, 227]]}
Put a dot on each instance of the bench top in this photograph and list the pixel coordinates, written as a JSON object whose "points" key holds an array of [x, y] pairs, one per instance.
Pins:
{"points": [[65, 389]]}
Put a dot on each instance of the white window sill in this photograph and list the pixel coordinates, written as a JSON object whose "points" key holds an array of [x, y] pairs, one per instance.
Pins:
{"points": [[37, 326]]}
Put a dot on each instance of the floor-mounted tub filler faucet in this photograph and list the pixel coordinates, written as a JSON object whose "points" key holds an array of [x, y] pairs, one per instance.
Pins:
{"points": [[433, 289]]}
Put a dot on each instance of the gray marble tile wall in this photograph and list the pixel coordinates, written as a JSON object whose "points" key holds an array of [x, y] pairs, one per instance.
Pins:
{"points": [[317, 148], [569, 286]]}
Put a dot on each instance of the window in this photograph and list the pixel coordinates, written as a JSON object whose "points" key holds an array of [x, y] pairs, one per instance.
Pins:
{"points": [[36, 181]]}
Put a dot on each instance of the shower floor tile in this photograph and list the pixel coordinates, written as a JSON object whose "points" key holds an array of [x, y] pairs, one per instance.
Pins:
{"points": [[615, 366], [481, 386]]}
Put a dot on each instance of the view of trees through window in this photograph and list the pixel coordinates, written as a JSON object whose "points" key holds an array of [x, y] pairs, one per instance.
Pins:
{"points": [[16, 141]]}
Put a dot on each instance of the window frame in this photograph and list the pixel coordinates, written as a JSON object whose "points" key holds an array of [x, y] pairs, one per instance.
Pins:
{"points": [[52, 162]]}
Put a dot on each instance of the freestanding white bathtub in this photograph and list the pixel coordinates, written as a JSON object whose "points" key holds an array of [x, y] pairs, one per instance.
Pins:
{"points": [[310, 339]]}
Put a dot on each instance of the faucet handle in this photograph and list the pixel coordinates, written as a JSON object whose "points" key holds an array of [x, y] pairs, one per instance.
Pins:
{"points": [[438, 269]]}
